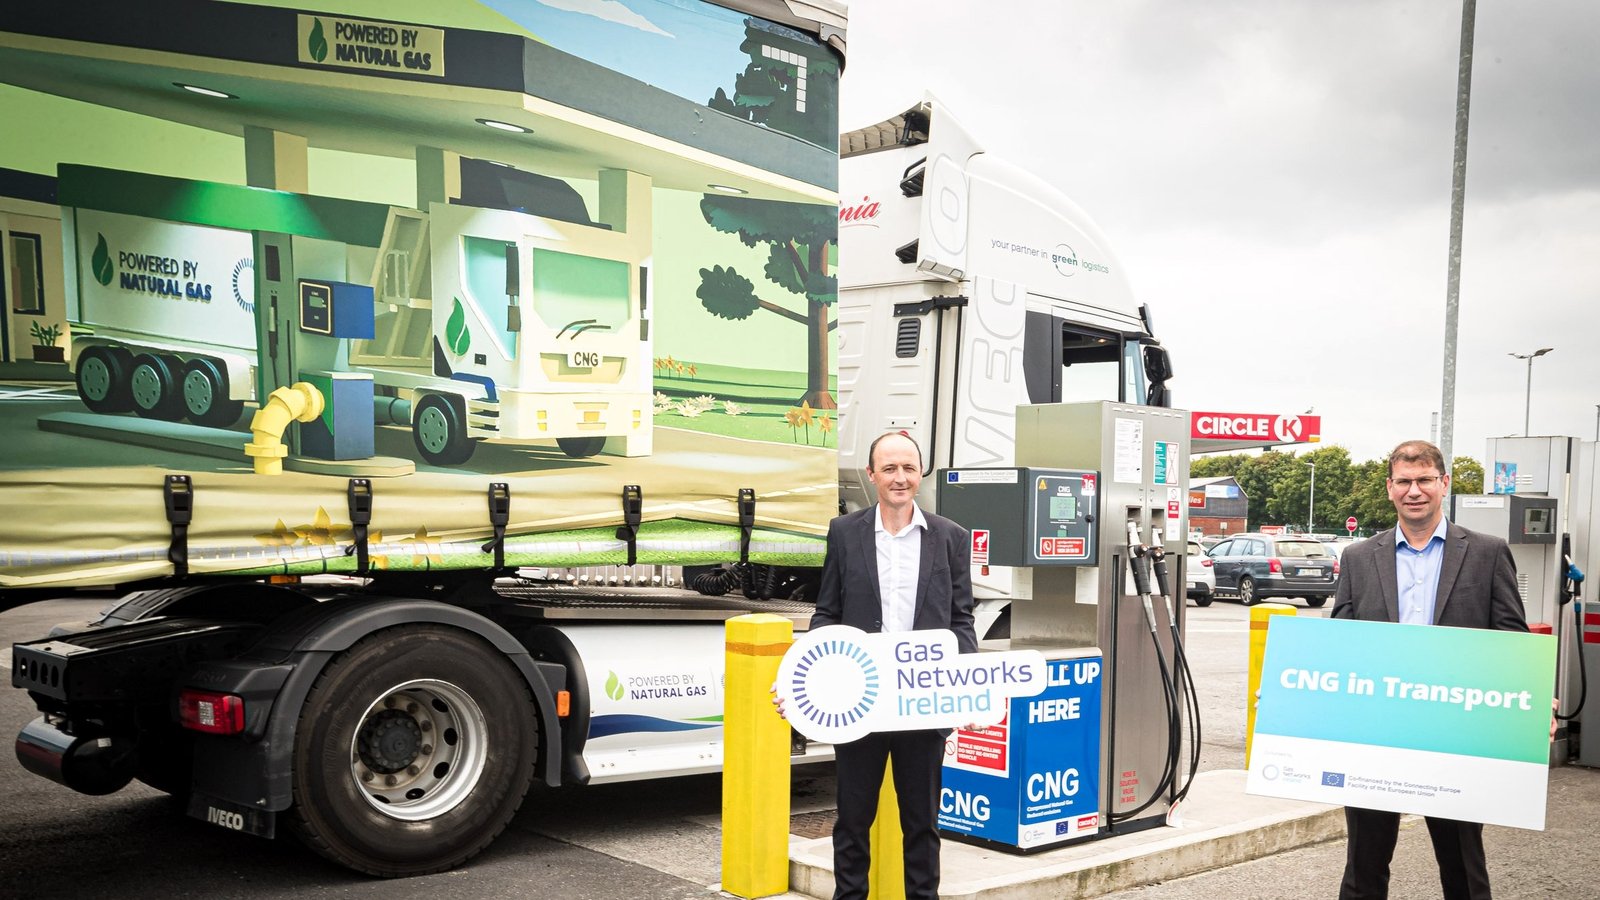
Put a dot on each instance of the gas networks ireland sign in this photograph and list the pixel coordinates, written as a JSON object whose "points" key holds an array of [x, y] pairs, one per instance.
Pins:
{"points": [[380, 46], [839, 683]]}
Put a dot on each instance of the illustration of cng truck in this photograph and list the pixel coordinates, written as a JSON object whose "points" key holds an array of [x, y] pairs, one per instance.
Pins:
{"points": [[379, 333], [465, 322]]}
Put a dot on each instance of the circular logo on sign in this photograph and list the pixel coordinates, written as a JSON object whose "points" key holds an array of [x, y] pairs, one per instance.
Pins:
{"points": [[1287, 428], [834, 684], [1269, 772]]}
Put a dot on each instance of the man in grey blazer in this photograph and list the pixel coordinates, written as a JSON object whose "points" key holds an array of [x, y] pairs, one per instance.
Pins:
{"points": [[1424, 571], [892, 567]]}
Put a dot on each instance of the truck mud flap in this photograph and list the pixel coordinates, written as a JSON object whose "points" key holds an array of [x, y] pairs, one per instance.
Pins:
{"points": [[233, 816]]}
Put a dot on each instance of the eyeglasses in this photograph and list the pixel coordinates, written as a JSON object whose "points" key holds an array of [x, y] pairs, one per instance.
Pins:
{"points": [[1426, 482]]}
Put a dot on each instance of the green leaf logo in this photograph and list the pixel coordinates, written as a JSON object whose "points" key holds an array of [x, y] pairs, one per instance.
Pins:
{"points": [[613, 686], [456, 335], [317, 44], [100, 262]]}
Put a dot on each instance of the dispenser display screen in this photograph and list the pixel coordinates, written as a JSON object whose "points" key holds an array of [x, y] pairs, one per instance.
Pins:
{"points": [[315, 313], [1064, 507]]}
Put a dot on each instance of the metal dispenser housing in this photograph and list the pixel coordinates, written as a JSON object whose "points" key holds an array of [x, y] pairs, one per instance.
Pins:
{"points": [[1142, 455]]}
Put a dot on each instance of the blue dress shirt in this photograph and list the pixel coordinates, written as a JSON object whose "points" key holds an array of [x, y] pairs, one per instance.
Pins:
{"points": [[1416, 573]]}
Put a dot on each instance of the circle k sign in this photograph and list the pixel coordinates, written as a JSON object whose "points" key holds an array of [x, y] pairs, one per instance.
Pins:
{"points": [[840, 683]]}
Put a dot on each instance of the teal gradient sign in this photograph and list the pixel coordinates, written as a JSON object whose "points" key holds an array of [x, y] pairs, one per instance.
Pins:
{"points": [[1448, 722], [1453, 690]]}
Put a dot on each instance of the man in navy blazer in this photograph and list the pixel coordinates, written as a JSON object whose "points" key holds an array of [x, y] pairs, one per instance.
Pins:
{"points": [[1424, 571], [892, 567]]}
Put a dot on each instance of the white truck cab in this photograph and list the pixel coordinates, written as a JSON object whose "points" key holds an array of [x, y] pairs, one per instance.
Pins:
{"points": [[967, 287]]}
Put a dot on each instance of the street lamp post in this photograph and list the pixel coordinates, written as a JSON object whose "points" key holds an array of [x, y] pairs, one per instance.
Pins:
{"points": [[1527, 406], [1311, 514]]}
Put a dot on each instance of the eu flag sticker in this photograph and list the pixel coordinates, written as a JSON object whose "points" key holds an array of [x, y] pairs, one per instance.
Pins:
{"points": [[1333, 779]]}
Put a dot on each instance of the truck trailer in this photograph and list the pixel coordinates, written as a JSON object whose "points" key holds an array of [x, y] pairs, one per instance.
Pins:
{"points": [[390, 453]]}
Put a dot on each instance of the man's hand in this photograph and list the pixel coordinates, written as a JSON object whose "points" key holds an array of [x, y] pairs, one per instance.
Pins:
{"points": [[777, 703]]}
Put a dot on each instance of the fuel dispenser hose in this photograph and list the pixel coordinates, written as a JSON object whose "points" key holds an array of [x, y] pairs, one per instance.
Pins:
{"points": [[1570, 591], [1186, 685], [1140, 564]]}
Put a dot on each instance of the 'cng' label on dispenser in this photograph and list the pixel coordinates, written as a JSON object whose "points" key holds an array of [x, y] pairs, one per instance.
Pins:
{"points": [[1033, 779]]}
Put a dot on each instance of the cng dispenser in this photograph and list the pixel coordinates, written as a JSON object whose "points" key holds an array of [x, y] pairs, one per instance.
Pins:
{"points": [[1095, 497], [1543, 507], [308, 315]]}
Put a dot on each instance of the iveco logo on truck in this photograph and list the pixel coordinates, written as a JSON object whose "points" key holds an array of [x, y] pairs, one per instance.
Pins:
{"points": [[224, 818]]}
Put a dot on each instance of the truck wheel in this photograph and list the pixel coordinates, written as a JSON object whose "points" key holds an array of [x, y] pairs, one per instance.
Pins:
{"points": [[1247, 590], [205, 395], [581, 447], [440, 432], [154, 385], [103, 379], [413, 752]]}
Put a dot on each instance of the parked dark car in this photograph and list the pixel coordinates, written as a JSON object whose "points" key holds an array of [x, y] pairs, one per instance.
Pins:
{"points": [[1256, 567]]}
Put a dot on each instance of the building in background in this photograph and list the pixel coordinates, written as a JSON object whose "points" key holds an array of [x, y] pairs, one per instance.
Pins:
{"points": [[1217, 506]]}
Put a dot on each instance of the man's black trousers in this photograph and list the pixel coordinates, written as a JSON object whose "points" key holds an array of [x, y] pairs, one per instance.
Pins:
{"points": [[917, 757], [1458, 846]]}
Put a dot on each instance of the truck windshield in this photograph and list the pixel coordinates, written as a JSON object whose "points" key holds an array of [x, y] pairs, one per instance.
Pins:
{"points": [[576, 294]]}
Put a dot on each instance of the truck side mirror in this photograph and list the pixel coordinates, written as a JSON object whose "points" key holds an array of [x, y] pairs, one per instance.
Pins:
{"points": [[1157, 363]]}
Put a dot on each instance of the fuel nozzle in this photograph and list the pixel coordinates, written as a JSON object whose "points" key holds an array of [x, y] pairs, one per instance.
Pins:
{"points": [[1139, 562], [1158, 563]]}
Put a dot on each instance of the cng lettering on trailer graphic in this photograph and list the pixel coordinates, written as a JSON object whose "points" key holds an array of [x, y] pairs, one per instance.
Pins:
{"points": [[1062, 548]]}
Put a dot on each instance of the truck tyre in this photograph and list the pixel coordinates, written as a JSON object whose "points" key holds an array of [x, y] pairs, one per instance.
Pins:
{"points": [[102, 378], [205, 395], [413, 752], [581, 447], [440, 432], [1247, 590], [154, 383]]}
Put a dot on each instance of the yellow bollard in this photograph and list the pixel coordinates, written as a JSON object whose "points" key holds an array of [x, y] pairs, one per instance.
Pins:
{"points": [[887, 879], [755, 763], [1260, 615]]}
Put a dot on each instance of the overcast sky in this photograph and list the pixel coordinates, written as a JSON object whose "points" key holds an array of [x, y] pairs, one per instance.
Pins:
{"points": [[1275, 178]]}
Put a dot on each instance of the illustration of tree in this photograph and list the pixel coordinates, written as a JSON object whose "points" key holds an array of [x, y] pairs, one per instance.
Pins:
{"points": [[799, 239]]}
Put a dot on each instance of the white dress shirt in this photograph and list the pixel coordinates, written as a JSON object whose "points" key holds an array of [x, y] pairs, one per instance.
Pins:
{"points": [[899, 560]]}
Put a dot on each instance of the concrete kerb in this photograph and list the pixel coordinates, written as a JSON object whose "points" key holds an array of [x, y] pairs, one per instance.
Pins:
{"points": [[1221, 826]]}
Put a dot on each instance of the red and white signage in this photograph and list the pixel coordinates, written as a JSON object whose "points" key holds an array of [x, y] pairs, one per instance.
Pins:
{"points": [[980, 546], [1350, 524], [1061, 548], [1255, 426]]}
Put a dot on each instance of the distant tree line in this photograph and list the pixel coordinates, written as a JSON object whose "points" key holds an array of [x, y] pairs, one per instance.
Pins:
{"points": [[1278, 486]]}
